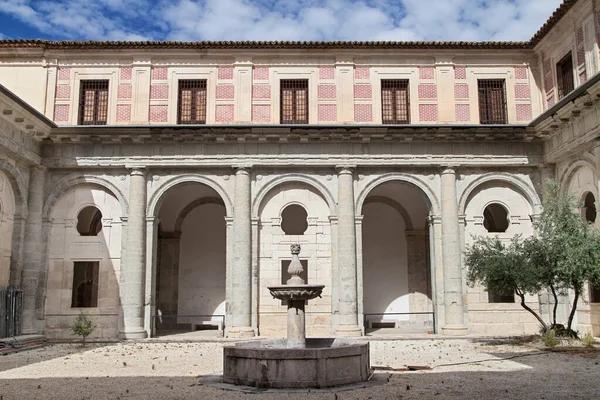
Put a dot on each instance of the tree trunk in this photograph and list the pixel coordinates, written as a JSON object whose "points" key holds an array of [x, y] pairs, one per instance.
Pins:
{"points": [[525, 306], [574, 308], [555, 304]]}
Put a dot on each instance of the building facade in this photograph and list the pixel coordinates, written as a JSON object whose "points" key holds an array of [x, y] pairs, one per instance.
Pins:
{"points": [[159, 186]]}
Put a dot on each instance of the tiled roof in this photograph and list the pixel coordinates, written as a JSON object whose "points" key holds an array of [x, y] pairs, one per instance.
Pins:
{"points": [[552, 21]]}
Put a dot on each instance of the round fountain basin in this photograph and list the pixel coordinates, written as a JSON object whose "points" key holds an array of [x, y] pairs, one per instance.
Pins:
{"points": [[296, 292], [322, 363]]}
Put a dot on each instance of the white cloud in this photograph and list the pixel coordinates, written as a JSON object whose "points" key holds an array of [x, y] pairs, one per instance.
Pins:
{"points": [[400, 20]]}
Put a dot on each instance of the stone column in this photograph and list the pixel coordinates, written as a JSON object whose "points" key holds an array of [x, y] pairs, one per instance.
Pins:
{"points": [[597, 173], [346, 255], [453, 294], [33, 248], [132, 271], [241, 280]]}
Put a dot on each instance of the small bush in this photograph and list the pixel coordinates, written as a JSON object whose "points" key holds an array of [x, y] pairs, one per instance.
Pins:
{"points": [[550, 339], [589, 340], [83, 326]]}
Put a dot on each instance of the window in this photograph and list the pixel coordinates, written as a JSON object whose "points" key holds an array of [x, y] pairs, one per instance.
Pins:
{"points": [[564, 76], [89, 221], [594, 292], [93, 102], [495, 218], [192, 102], [501, 297], [85, 284], [294, 101], [293, 220], [492, 101], [395, 105], [588, 211]]}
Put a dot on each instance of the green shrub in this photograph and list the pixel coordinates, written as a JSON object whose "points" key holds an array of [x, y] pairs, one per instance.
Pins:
{"points": [[83, 326], [550, 339], [589, 340]]}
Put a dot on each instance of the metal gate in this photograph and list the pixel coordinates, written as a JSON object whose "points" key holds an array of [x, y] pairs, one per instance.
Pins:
{"points": [[11, 307]]}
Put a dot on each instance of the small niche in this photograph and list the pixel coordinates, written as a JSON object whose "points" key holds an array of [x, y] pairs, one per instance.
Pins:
{"points": [[89, 221], [294, 220], [589, 205], [495, 218]]}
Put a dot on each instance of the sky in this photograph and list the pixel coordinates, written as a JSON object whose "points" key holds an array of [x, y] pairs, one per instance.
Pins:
{"points": [[193, 20]]}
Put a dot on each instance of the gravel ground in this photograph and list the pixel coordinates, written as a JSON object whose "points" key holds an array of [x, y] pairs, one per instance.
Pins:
{"points": [[461, 369]]}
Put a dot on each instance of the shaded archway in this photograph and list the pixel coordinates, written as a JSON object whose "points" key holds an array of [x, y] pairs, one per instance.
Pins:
{"points": [[190, 277], [396, 278]]}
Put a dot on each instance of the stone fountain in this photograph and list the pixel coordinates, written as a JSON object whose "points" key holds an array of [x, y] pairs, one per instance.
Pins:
{"points": [[296, 362]]}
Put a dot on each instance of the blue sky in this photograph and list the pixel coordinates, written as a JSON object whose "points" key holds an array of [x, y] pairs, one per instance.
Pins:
{"points": [[190, 20]]}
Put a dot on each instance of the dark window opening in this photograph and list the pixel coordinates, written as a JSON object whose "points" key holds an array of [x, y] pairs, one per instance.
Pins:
{"points": [[492, 101], [395, 104], [564, 76], [191, 102], [85, 284], [501, 297], [294, 101], [93, 102], [594, 291], [589, 208], [495, 218], [293, 220], [89, 221]]}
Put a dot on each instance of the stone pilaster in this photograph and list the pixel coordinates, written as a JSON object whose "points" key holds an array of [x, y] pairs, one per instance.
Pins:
{"points": [[133, 269], [597, 172], [346, 255], [453, 293], [241, 280], [32, 248], [419, 275], [168, 276]]}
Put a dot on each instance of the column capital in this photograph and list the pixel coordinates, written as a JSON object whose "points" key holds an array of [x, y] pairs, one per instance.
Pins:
{"points": [[448, 169], [242, 168], [38, 168], [345, 169], [137, 170]]}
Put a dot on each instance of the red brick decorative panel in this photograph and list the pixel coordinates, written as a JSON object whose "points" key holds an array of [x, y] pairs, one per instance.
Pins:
{"points": [[428, 112], [522, 91], [63, 92], [61, 112], [160, 74], [225, 73], [427, 73], [224, 113], [326, 92], [520, 73], [427, 91], [460, 73], [261, 113], [126, 73], [261, 91], [225, 92], [261, 73], [363, 113], [524, 112], [326, 72], [327, 112], [363, 91], [362, 72], [550, 100], [159, 113], [582, 77], [124, 92], [461, 91], [463, 113], [159, 92], [64, 74], [123, 112], [548, 77]]}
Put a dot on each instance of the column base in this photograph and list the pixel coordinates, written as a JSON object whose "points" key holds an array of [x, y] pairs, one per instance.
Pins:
{"points": [[348, 331], [240, 332], [455, 330], [133, 334]]}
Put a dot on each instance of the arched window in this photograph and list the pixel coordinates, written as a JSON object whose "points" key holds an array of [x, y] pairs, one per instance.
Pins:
{"points": [[293, 220], [495, 218], [589, 208], [89, 221]]}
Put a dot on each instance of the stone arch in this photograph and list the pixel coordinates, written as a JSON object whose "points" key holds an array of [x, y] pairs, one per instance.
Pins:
{"points": [[159, 194], [434, 204], [395, 205], [190, 207], [523, 187], [287, 178], [72, 181], [17, 186], [572, 169]]}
